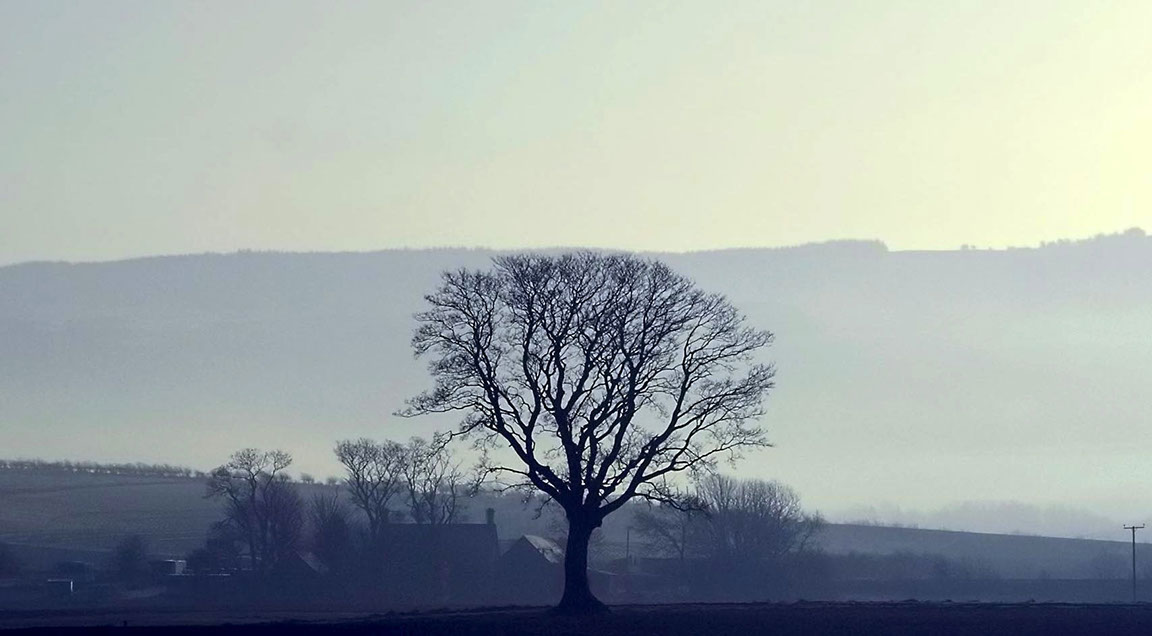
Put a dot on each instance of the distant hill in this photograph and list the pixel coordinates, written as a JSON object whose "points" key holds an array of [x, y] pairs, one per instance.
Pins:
{"points": [[916, 377], [1006, 555], [93, 512], [53, 514]]}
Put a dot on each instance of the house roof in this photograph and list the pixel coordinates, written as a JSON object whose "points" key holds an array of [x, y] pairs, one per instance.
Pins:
{"points": [[301, 562], [313, 562], [546, 547], [452, 541]]}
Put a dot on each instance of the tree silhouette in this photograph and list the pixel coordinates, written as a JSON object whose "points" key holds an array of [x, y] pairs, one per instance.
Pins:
{"points": [[130, 558], [9, 564], [260, 505], [674, 530], [753, 520], [603, 376], [331, 538], [374, 475], [433, 482]]}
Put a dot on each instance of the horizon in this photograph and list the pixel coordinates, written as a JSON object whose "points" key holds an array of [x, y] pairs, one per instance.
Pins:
{"points": [[1128, 232]]}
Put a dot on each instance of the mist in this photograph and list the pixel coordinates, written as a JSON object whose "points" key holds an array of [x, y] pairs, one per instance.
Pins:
{"points": [[920, 380], [583, 318]]}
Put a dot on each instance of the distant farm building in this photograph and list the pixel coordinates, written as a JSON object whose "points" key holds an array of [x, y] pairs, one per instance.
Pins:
{"points": [[168, 567], [531, 572], [435, 564]]}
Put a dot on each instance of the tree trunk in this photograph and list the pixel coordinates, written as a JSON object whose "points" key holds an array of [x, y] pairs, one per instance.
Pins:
{"points": [[578, 597]]}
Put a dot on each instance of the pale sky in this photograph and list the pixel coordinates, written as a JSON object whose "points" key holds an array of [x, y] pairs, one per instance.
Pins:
{"points": [[130, 128]]}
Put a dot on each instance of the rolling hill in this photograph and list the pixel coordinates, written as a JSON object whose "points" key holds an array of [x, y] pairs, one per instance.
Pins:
{"points": [[52, 515], [920, 378]]}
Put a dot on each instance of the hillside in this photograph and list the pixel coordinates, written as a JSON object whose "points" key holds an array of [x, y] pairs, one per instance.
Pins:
{"points": [[93, 512], [1005, 555], [922, 377], [51, 516]]}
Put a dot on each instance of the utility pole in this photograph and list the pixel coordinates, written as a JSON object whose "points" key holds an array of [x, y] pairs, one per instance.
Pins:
{"points": [[628, 559], [1134, 528], [628, 547]]}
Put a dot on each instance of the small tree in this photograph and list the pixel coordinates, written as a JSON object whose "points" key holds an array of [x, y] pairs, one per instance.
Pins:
{"points": [[676, 530], [753, 521], [601, 377], [433, 482], [746, 533], [331, 538], [374, 475], [260, 505], [9, 564], [130, 558]]}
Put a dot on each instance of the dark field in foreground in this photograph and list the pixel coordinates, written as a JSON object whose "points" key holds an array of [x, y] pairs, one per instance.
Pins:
{"points": [[726, 619]]}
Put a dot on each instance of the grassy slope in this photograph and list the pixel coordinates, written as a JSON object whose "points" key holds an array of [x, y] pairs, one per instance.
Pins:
{"points": [[80, 511], [95, 511], [1012, 556], [68, 511]]}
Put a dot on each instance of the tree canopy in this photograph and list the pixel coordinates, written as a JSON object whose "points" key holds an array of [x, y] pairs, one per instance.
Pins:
{"points": [[604, 375]]}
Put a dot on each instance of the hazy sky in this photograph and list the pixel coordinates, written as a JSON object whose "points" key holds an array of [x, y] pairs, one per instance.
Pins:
{"points": [[147, 127]]}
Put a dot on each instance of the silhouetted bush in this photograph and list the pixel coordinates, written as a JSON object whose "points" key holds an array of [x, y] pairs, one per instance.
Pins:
{"points": [[9, 564], [130, 559], [331, 532], [221, 552]]}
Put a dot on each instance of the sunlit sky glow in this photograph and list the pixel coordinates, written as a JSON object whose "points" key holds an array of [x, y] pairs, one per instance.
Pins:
{"points": [[150, 127]]}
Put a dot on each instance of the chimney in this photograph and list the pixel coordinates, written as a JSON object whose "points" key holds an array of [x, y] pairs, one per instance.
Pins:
{"points": [[490, 516]]}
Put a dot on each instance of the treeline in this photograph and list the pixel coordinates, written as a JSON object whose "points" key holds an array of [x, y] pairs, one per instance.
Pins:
{"points": [[748, 540], [267, 520], [135, 469], [902, 566], [731, 539]]}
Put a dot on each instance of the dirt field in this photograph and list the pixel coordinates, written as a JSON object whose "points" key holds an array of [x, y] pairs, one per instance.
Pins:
{"points": [[777, 619]]}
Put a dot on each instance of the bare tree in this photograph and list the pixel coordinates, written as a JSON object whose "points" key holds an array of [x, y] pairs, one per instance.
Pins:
{"points": [[556, 522], [331, 538], [677, 530], [433, 482], [601, 377], [260, 505], [130, 558], [754, 520], [374, 475], [9, 564]]}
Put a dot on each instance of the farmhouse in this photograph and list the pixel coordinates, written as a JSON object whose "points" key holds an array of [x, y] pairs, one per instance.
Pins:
{"points": [[450, 563], [531, 571]]}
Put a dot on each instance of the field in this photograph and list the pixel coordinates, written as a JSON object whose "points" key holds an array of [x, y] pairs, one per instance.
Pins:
{"points": [[672, 620], [85, 511], [54, 515]]}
